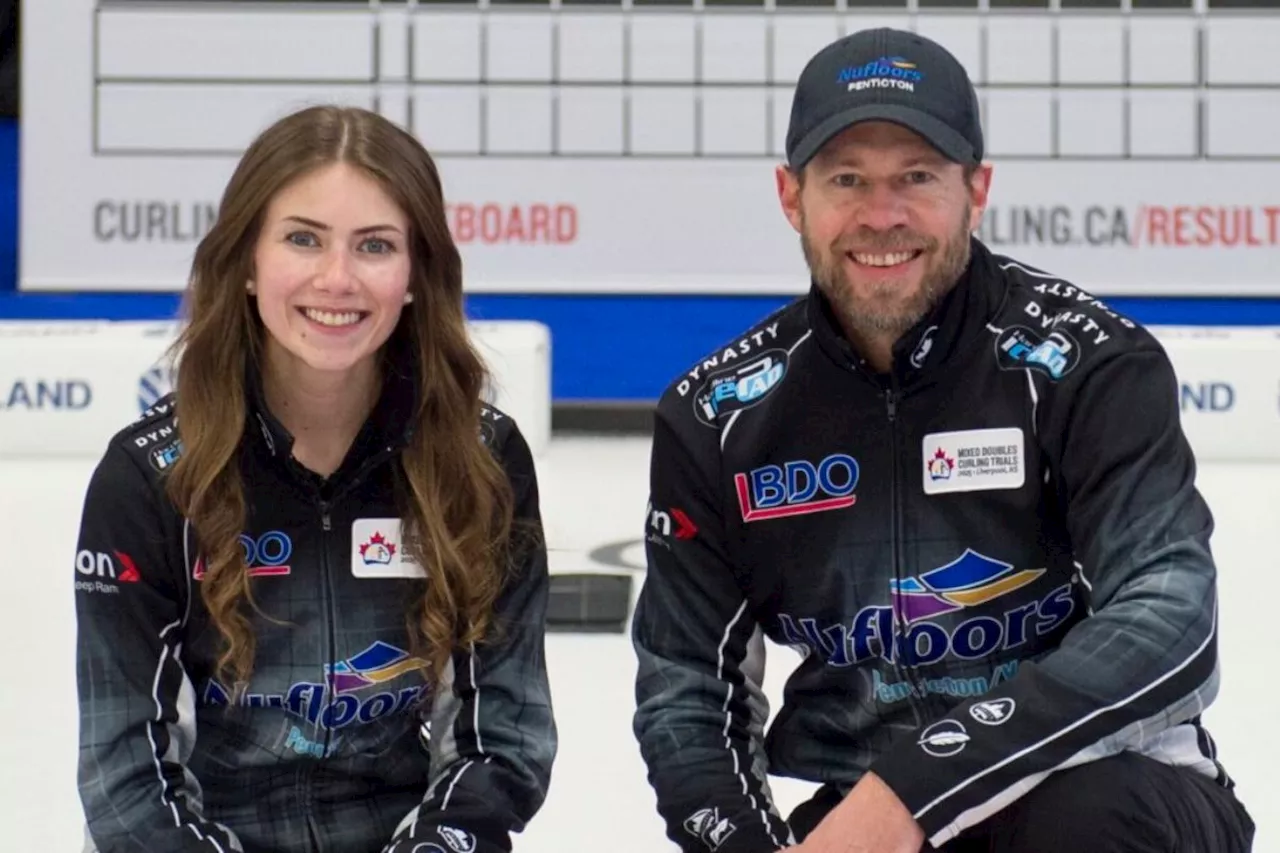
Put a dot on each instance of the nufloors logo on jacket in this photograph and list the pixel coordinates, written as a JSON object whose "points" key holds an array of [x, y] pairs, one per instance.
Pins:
{"points": [[969, 581], [344, 698]]}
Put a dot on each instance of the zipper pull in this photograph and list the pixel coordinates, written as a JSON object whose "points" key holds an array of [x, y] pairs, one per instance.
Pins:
{"points": [[891, 401], [324, 516]]}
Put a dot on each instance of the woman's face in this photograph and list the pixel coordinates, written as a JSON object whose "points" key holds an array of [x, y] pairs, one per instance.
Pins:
{"points": [[331, 270]]}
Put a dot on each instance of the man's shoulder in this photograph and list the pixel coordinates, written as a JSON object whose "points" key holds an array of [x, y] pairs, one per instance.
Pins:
{"points": [[738, 372], [1057, 326]]}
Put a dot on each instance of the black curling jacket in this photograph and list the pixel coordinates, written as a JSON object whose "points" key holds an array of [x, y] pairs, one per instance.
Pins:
{"points": [[993, 561], [337, 744]]}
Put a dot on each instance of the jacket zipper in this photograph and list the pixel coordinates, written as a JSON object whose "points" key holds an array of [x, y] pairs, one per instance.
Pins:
{"points": [[313, 830], [326, 596], [326, 580], [901, 651]]}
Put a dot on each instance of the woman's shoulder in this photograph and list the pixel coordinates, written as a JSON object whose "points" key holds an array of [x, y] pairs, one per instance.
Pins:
{"points": [[500, 432], [151, 441], [498, 429]]}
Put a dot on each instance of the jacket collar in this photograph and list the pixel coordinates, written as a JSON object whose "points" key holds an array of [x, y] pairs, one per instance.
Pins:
{"points": [[922, 351], [389, 425]]}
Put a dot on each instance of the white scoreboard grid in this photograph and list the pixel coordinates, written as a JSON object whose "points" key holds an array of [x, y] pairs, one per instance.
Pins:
{"points": [[632, 79], [591, 146]]}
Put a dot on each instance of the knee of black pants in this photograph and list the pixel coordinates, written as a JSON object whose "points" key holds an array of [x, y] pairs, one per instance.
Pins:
{"points": [[1101, 807]]}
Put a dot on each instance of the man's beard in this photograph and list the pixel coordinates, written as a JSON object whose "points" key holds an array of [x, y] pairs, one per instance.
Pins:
{"points": [[877, 314]]}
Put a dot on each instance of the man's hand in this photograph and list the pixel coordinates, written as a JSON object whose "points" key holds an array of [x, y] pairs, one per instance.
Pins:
{"points": [[870, 820]]}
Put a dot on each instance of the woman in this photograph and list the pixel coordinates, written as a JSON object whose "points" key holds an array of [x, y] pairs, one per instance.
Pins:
{"points": [[317, 621]]}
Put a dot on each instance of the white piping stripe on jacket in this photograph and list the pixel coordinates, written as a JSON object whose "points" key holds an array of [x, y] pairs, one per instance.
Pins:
{"points": [[728, 719], [165, 796]]}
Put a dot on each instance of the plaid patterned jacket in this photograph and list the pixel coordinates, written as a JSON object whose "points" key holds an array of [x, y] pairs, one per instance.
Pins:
{"points": [[337, 743]]}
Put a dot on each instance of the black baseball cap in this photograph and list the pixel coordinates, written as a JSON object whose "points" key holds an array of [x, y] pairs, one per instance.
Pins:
{"points": [[886, 75]]}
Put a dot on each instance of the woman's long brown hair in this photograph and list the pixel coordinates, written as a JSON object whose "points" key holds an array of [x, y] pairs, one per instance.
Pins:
{"points": [[457, 502]]}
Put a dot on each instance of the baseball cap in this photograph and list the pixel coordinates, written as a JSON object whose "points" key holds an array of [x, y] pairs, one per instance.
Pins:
{"points": [[887, 75]]}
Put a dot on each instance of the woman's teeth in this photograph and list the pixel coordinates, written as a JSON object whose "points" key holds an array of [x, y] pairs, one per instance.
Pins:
{"points": [[329, 318]]}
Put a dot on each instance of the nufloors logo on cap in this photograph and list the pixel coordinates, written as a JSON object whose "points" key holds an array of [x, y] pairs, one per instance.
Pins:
{"points": [[887, 72]]}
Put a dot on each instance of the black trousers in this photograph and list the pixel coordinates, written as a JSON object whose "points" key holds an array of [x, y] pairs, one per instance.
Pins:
{"points": [[1127, 803]]}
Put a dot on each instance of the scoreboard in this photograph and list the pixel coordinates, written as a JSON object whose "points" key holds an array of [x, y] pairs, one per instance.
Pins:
{"points": [[592, 146]]}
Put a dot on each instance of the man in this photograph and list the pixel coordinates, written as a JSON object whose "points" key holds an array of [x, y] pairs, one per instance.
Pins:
{"points": [[959, 486]]}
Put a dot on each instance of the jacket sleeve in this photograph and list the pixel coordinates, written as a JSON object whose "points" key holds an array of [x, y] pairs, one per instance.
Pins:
{"points": [[136, 703], [1143, 659], [493, 736], [700, 711]]}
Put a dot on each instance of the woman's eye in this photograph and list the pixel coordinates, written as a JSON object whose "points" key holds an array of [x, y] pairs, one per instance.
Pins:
{"points": [[379, 246], [302, 238]]}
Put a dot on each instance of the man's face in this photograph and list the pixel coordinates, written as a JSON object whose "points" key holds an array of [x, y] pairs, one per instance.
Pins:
{"points": [[884, 221]]}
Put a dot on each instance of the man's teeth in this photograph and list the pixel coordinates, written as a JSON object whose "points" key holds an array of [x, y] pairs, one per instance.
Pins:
{"points": [[884, 260], [328, 318]]}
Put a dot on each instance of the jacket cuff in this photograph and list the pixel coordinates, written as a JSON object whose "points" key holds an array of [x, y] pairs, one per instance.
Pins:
{"points": [[704, 831], [915, 777]]}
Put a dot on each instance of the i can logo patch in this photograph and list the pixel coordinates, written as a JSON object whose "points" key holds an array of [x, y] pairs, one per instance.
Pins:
{"points": [[974, 460], [377, 552]]}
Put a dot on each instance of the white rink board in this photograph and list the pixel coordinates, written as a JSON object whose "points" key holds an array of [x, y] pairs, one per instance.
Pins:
{"points": [[1229, 382], [67, 387], [631, 148]]}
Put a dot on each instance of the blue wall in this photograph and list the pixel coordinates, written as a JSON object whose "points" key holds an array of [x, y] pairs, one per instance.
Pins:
{"points": [[604, 347]]}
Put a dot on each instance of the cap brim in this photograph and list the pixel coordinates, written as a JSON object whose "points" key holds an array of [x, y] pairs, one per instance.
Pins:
{"points": [[936, 133]]}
